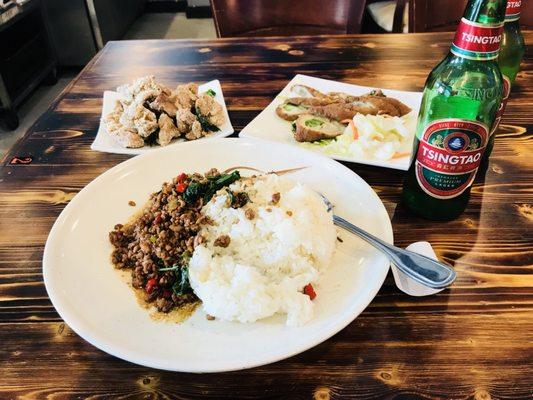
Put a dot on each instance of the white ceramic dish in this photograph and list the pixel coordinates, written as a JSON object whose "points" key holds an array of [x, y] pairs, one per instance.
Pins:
{"points": [[103, 142], [93, 299], [267, 125]]}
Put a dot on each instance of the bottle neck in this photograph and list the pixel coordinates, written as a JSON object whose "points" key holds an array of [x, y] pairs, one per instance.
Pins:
{"points": [[479, 33], [486, 12], [512, 13]]}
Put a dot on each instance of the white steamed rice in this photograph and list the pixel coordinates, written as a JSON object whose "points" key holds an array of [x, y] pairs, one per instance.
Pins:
{"points": [[270, 258]]}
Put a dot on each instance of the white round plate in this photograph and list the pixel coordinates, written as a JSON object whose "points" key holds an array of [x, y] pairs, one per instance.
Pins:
{"points": [[94, 300]]}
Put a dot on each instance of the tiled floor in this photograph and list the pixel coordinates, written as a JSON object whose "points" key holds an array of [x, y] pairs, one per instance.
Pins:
{"points": [[148, 26], [171, 26]]}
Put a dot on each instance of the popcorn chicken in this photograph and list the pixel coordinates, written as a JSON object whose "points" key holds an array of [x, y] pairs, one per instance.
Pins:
{"points": [[126, 118], [208, 108], [164, 103], [167, 130], [184, 120], [185, 95], [127, 138], [122, 135], [146, 95], [145, 121], [196, 131], [146, 83], [113, 118]]}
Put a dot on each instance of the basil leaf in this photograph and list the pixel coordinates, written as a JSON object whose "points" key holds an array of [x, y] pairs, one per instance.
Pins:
{"points": [[206, 125], [182, 285], [151, 139], [195, 190]]}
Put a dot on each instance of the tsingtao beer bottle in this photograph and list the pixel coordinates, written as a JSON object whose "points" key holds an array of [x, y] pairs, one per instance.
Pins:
{"points": [[511, 53], [512, 46], [459, 105]]}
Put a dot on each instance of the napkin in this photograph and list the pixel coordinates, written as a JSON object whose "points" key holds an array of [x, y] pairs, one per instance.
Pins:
{"points": [[409, 285]]}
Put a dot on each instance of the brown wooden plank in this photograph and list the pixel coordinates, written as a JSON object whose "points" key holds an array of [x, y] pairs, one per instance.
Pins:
{"points": [[378, 358]]}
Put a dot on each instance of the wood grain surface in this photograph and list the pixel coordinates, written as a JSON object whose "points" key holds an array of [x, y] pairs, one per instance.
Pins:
{"points": [[474, 341]]}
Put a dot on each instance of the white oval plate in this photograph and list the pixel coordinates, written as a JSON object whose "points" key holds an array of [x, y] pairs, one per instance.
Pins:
{"points": [[93, 299]]}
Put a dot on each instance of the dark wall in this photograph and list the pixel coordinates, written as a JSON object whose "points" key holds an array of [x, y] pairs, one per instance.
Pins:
{"points": [[70, 31]]}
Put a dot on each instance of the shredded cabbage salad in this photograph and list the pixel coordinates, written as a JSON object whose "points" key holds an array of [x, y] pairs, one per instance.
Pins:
{"points": [[379, 137]]}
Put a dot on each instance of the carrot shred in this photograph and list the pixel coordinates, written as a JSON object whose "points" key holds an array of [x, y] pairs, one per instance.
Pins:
{"points": [[355, 133], [354, 130], [400, 154]]}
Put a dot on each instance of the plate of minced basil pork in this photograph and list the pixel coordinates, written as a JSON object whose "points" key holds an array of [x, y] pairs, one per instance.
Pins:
{"points": [[215, 256]]}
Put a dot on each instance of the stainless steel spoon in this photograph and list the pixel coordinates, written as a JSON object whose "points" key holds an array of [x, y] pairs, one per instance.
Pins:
{"points": [[424, 270]]}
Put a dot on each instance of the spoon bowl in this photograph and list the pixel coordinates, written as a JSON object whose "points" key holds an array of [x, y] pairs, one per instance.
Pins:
{"points": [[424, 270], [427, 271]]}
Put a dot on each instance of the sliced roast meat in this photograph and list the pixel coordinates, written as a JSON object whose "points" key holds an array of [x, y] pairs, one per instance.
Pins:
{"points": [[402, 108], [310, 128], [347, 106], [340, 106], [307, 91], [337, 111], [290, 112], [309, 101]]}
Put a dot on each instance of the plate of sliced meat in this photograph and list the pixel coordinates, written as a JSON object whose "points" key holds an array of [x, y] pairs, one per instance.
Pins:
{"points": [[145, 114], [346, 122]]}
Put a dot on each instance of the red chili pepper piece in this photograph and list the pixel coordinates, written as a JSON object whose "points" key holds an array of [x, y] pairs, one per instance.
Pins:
{"points": [[180, 187], [310, 291], [150, 285], [167, 294], [181, 177], [157, 219]]}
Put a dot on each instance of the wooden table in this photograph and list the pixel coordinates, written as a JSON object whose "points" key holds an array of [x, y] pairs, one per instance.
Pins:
{"points": [[472, 341]]}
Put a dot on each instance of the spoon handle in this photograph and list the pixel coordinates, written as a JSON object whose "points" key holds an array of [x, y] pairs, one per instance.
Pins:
{"points": [[424, 270]]}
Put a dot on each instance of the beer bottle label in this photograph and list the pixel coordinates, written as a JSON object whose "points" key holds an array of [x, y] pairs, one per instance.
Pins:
{"points": [[503, 104], [477, 41], [512, 13], [449, 155]]}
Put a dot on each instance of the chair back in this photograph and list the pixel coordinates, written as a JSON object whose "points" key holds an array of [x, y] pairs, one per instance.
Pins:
{"points": [[526, 17], [444, 15], [435, 15], [287, 17]]}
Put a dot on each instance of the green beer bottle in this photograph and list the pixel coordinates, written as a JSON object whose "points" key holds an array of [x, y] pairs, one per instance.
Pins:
{"points": [[512, 46], [461, 97], [511, 52]]}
